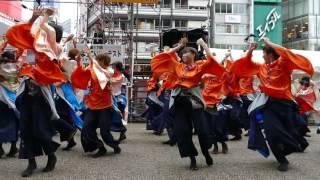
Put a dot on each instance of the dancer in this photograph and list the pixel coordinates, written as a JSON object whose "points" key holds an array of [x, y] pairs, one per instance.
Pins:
{"points": [[274, 106], [155, 106], [34, 97], [188, 104], [231, 90], [307, 98], [212, 94], [67, 104], [99, 114], [9, 114], [118, 86]]}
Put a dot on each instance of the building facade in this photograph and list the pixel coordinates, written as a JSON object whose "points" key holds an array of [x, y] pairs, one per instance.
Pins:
{"points": [[10, 13], [232, 23], [301, 24]]}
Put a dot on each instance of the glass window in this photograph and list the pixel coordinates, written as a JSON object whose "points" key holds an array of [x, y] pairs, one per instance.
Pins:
{"points": [[243, 29], [239, 8], [229, 8], [220, 28], [166, 23], [217, 7], [223, 8], [228, 28]]}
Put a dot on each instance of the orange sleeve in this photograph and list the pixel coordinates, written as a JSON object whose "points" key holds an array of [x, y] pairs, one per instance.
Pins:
{"points": [[295, 61], [80, 78], [211, 66], [20, 36], [151, 84], [162, 63], [245, 67]]}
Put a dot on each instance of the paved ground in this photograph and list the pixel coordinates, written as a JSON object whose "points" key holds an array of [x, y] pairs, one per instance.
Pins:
{"points": [[144, 157]]}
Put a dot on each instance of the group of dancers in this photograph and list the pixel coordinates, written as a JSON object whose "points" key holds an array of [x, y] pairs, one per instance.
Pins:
{"points": [[189, 96], [53, 92]]}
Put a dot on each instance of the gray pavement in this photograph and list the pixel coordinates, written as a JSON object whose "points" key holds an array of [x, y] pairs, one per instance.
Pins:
{"points": [[144, 157]]}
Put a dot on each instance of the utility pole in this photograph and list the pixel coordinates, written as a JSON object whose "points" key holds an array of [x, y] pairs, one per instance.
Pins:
{"points": [[211, 6], [131, 56]]}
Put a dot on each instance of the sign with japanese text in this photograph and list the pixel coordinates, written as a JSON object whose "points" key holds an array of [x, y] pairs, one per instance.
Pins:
{"points": [[116, 52], [268, 23]]}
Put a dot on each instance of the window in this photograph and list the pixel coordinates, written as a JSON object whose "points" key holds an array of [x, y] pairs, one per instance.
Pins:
{"points": [[223, 8], [166, 23], [181, 23], [240, 8], [229, 8], [232, 28], [243, 29], [228, 28], [217, 7], [220, 28]]}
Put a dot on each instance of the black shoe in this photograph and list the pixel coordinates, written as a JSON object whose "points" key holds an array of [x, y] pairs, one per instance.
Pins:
{"points": [[209, 160], [101, 152], [193, 164], [117, 150], [169, 142], [70, 145], [225, 148], [51, 164], [307, 135], [71, 135], [283, 167], [318, 131], [122, 137], [31, 167], [166, 142], [236, 138], [215, 149]]}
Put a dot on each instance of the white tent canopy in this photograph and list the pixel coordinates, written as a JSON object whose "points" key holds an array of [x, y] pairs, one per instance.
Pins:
{"points": [[313, 56]]}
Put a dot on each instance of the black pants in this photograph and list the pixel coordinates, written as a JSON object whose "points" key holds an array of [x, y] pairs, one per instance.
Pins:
{"points": [[36, 128], [94, 119], [233, 116], [217, 124], [63, 125], [187, 118], [245, 120], [281, 133]]}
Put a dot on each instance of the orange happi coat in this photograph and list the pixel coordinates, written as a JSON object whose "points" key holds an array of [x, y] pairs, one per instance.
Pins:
{"points": [[275, 78], [187, 76], [87, 79], [212, 89], [46, 70]]}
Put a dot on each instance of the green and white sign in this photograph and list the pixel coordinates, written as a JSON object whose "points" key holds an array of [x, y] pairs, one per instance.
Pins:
{"points": [[267, 21]]}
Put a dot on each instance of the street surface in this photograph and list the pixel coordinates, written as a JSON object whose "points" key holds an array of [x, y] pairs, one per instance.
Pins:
{"points": [[144, 157]]}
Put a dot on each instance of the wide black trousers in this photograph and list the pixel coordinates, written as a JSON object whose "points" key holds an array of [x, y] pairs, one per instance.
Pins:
{"points": [[187, 118], [280, 129], [94, 119], [36, 128]]}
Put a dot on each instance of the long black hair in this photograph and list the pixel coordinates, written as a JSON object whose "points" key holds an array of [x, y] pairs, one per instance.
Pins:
{"points": [[58, 29]]}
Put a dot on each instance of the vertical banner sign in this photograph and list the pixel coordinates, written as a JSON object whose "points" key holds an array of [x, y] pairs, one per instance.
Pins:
{"points": [[267, 21]]}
